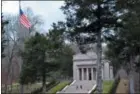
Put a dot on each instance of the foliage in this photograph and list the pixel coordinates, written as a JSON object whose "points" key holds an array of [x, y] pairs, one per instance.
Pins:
{"points": [[63, 55], [87, 21], [3, 40], [58, 87], [80, 23], [39, 90], [65, 60], [123, 45], [36, 61], [44, 53], [15, 34]]}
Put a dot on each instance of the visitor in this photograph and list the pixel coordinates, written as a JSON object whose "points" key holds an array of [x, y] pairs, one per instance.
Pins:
{"points": [[76, 87], [81, 86]]}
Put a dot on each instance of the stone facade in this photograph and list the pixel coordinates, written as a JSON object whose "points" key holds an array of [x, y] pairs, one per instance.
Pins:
{"points": [[85, 73], [85, 67]]}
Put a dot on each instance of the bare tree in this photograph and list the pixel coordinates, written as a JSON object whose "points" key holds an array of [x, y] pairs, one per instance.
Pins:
{"points": [[16, 34]]}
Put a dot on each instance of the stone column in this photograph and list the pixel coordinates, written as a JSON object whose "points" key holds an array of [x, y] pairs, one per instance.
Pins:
{"points": [[77, 74], [82, 73], [87, 73], [102, 72], [75, 71], [92, 78]]}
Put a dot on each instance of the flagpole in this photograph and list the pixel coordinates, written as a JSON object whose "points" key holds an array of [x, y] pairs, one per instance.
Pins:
{"points": [[21, 86], [19, 5], [19, 20]]}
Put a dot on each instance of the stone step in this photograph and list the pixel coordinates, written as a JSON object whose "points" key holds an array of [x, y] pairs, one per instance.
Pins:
{"points": [[76, 87]]}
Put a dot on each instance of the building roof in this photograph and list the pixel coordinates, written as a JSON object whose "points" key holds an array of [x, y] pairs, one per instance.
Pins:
{"points": [[88, 55]]}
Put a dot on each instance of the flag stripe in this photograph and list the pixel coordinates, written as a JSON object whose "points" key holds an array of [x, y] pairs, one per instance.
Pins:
{"points": [[24, 20]]}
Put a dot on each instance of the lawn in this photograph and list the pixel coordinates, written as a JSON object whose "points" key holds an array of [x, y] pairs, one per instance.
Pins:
{"points": [[58, 87], [27, 88], [107, 86]]}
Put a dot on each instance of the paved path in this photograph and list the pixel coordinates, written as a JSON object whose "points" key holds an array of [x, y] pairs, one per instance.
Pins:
{"points": [[123, 86], [79, 87], [133, 78]]}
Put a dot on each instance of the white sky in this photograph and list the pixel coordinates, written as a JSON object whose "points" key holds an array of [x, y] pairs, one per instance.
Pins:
{"points": [[49, 10]]}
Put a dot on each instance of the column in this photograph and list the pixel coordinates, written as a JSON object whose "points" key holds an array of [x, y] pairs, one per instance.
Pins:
{"points": [[77, 74], [82, 73], [92, 78], [102, 72], [87, 73], [94, 74]]}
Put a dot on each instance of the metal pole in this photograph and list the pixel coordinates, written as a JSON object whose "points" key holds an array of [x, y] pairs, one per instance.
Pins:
{"points": [[21, 86]]}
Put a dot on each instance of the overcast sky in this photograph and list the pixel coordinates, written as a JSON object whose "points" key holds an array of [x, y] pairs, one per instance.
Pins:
{"points": [[49, 10]]}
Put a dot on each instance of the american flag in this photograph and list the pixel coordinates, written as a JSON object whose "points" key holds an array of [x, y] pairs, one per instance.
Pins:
{"points": [[24, 20]]}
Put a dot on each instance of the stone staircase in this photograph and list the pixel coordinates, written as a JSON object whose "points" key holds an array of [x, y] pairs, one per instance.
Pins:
{"points": [[79, 87]]}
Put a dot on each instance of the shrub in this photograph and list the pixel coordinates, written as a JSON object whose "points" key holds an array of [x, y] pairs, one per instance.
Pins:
{"points": [[37, 91]]}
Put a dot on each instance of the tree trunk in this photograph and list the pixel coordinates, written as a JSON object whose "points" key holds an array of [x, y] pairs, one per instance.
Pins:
{"points": [[99, 64], [11, 79], [44, 82], [21, 89], [132, 62], [99, 52], [5, 89]]}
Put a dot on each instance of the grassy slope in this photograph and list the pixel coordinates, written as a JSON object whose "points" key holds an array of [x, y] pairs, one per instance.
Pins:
{"points": [[58, 87], [27, 88], [107, 85]]}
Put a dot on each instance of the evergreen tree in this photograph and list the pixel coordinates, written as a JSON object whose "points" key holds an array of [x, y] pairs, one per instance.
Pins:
{"points": [[37, 61], [91, 18], [125, 42]]}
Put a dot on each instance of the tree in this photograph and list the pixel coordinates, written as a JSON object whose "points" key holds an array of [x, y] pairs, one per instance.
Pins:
{"points": [[90, 18], [65, 60], [126, 39], [38, 59], [15, 35], [62, 52], [3, 36]]}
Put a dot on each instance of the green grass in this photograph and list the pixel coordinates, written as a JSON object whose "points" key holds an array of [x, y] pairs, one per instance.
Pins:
{"points": [[58, 87], [27, 88], [107, 85]]}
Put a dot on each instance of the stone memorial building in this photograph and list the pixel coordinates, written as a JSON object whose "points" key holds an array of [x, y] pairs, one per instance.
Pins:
{"points": [[85, 73]]}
